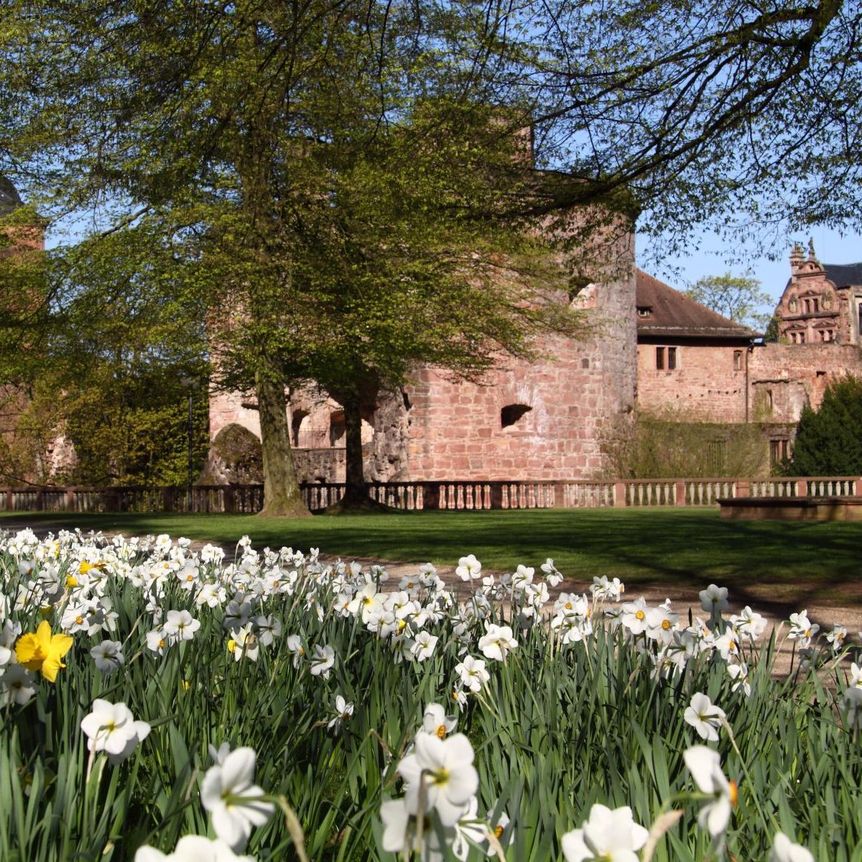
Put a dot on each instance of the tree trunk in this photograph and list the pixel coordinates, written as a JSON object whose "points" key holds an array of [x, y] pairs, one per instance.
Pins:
{"points": [[281, 495], [356, 492]]}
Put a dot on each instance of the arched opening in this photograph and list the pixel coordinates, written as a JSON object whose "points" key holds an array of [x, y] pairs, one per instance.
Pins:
{"points": [[296, 422], [511, 414], [337, 428]]}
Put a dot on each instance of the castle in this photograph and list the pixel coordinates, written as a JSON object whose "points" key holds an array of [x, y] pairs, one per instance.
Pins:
{"points": [[652, 348]]}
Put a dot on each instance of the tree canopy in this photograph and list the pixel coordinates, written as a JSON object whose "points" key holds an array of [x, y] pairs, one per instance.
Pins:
{"points": [[738, 298], [296, 154]]}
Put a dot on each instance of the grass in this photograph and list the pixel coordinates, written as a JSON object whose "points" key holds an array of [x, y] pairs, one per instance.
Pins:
{"points": [[671, 547]]}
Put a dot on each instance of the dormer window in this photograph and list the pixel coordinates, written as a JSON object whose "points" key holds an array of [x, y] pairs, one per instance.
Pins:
{"points": [[644, 310]]}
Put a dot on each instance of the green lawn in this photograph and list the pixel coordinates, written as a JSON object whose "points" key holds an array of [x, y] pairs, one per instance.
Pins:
{"points": [[677, 547]]}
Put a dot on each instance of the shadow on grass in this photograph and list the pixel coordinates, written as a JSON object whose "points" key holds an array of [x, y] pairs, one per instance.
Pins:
{"points": [[766, 563]]}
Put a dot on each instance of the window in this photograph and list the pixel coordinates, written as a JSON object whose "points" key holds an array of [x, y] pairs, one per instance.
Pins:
{"points": [[513, 413], [779, 451], [666, 358], [737, 360], [644, 310]]}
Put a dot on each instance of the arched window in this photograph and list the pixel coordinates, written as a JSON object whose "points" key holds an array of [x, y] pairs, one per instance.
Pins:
{"points": [[511, 414]]}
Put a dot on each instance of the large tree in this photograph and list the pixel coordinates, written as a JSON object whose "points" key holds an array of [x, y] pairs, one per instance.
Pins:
{"points": [[198, 118]]}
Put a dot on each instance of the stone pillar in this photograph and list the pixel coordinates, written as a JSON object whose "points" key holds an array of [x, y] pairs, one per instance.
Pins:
{"points": [[619, 495]]}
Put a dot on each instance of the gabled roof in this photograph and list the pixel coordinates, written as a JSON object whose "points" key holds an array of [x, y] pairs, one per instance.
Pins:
{"points": [[843, 274], [9, 199], [673, 314]]}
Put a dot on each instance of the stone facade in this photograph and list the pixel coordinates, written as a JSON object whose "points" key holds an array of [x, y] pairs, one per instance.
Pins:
{"points": [[822, 303], [524, 420], [649, 345], [734, 377]]}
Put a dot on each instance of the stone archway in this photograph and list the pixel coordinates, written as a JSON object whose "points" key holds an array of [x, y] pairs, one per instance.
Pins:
{"points": [[235, 457]]}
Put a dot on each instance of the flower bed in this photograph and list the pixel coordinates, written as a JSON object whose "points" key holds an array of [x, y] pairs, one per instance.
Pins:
{"points": [[160, 702]]}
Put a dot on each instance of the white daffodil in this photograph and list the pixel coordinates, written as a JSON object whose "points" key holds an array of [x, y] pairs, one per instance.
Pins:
{"points": [[192, 848], [748, 623], [837, 638], [634, 616], [235, 804], [739, 674], [802, 629], [295, 648], [108, 656], [606, 835], [243, 643], [472, 673], [180, 626], [728, 644], [436, 722], [112, 728], [343, 711], [552, 575], [714, 599], [322, 661], [497, 642], [17, 685], [468, 568], [441, 771], [704, 716], [784, 850], [661, 623], [604, 589], [423, 646], [704, 764]]}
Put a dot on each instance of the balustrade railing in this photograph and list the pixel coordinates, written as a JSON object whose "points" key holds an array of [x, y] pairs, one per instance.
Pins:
{"points": [[464, 495]]}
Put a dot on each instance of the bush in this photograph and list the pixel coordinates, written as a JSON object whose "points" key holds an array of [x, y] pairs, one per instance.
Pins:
{"points": [[829, 440]]}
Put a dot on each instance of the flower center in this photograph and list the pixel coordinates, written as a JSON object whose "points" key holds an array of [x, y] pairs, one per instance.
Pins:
{"points": [[640, 615], [441, 731], [440, 776], [665, 624], [733, 793]]}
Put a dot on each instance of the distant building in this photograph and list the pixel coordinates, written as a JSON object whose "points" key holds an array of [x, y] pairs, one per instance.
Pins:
{"points": [[822, 302], [692, 361]]}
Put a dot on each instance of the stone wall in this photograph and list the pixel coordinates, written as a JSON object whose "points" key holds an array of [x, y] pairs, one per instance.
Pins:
{"points": [[707, 385], [541, 420], [784, 377]]}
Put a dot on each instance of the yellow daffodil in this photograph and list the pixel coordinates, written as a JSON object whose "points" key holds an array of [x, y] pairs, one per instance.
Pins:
{"points": [[43, 650]]}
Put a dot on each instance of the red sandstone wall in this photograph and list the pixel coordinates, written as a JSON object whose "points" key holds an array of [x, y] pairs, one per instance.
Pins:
{"points": [[785, 376], [455, 429], [703, 387]]}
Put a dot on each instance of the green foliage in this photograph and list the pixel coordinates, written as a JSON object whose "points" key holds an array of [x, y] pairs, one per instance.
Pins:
{"points": [[738, 298], [828, 440], [558, 728], [669, 446]]}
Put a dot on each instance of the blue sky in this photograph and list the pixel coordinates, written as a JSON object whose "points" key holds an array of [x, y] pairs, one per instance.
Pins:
{"points": [[716, 256]]}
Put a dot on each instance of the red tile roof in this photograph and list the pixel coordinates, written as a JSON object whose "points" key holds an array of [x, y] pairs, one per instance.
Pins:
{"points": [[673, 314]]}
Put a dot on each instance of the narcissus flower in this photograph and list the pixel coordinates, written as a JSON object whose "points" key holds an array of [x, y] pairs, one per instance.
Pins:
{"points": [[112, 728], [43, 650], [704, 764], [704, 716], [443, 769], [611, 835], [233, 801], [784, 850], [192, 848]]}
